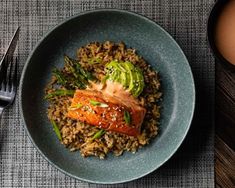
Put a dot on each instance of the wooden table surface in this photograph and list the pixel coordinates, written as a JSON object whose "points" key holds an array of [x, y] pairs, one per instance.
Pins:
{"points": [[225, 127]]}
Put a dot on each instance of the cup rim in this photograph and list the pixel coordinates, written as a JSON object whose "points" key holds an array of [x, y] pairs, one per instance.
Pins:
{"points": [[213, 16]]}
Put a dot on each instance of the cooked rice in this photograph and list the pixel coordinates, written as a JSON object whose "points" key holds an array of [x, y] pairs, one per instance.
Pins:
{"points": [[77, 135]]}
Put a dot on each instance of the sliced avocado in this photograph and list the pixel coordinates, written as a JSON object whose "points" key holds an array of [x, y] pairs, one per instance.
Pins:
{"points": [[118, 72], [130, 69], [127, 79], [134, 82], [115, 75], [139, 82], [120, 67], [127, 74], [124, 75], [112, 70], [114, 65], [110, 67]]}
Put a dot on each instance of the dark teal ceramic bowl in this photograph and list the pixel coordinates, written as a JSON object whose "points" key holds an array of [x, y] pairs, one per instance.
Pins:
{"points": [[161, 52]]}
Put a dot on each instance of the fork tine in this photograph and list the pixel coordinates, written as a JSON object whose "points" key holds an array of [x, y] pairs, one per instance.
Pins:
{"points": [[14, 76], [9, 77], [3, 73]]}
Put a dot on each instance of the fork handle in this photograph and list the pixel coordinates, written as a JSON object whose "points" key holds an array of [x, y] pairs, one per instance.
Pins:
{"points": [[1, 111]]}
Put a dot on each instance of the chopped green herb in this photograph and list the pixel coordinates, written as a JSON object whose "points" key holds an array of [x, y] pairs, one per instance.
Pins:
{"points": [[60, 92], [127, 117], [56, 129], [94, 103], [98, 134], [97, 103], [103, 105], [79, 105]]}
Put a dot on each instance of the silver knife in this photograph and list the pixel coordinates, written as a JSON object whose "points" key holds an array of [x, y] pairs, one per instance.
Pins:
{"points": [[11, 48]]}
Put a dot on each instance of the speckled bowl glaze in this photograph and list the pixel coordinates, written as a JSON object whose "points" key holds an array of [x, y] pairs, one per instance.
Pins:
{"points": [[161, 52]]}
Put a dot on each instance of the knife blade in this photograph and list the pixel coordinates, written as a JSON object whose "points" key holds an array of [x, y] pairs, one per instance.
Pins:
{"points": [[8, 56], [11, 48]]}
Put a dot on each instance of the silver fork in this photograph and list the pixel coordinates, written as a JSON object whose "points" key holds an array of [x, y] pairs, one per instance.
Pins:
{"points": [[8, 75]]}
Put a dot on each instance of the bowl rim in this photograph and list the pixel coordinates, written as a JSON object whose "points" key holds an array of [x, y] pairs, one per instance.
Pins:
{"points": [[211, 22], [90, 12]]}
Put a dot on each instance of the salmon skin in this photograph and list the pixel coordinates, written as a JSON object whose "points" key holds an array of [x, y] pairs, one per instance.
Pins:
{"points": [[107, 112]]}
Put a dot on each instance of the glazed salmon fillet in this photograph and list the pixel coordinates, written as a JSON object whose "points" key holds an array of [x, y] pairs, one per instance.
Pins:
{"points": [[107, 111]]}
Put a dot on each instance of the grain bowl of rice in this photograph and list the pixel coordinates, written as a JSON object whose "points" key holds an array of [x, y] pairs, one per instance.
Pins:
{"points": [[77, 135], [74, 58]]}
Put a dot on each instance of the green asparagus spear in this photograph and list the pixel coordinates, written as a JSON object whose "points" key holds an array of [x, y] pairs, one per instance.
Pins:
{"points": [[98, 134], [61, 79], [127, 117], [56, 129], [60, 92], [77, 69]]}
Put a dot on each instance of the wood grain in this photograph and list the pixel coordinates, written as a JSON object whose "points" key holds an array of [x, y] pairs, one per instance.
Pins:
{"points": [[225, 164], [225, 128], [225, 91]]}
